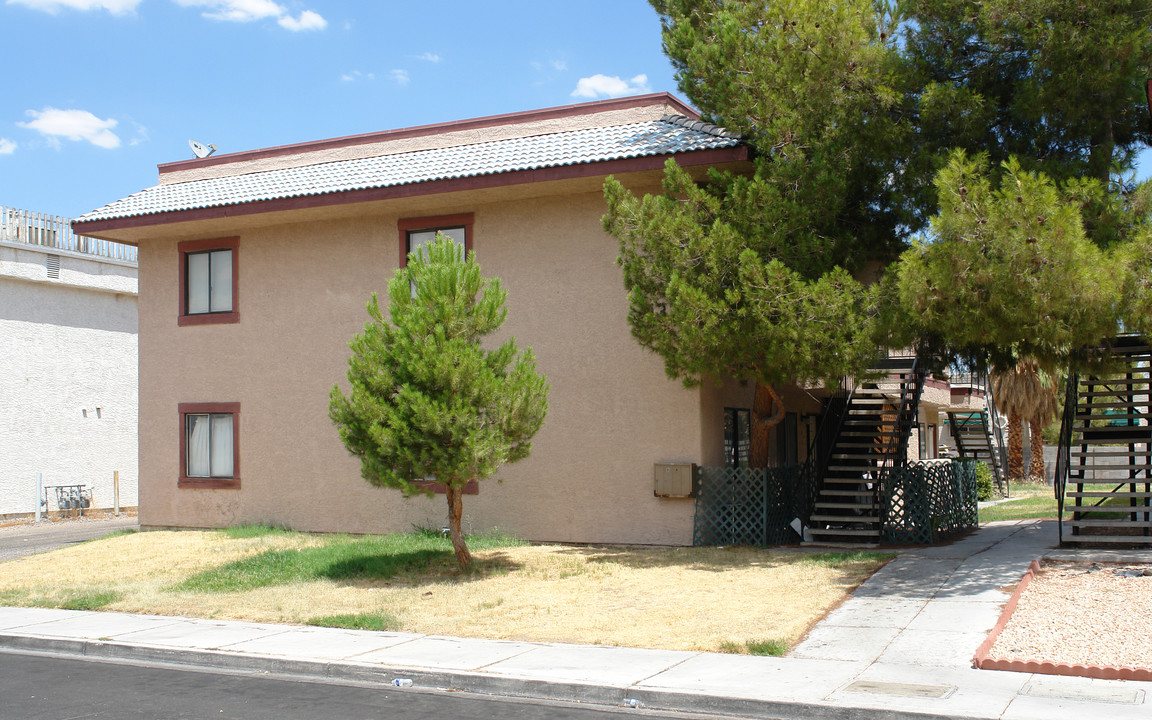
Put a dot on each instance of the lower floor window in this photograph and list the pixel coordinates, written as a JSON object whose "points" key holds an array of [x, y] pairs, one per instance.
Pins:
{"points": [[209, 445]]}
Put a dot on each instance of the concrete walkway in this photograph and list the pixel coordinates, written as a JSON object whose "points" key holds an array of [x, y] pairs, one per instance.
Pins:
{"points": [[901, 646]]}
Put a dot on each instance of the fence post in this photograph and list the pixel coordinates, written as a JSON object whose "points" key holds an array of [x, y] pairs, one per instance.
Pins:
{"points": [[39, 493], [116, 491]]}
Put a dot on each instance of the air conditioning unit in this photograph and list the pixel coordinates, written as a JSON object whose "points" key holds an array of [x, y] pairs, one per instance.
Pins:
{"points": [[675, 480]]}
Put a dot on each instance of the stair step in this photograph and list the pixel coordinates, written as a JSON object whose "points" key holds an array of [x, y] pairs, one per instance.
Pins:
{"points": [[1110, 523], [1094, 405], [1106, 494], [1113, 393], [846, 506], [1142, 463], [1111, 453], [860, 519], [1140, 376], [844, 493], [1094, 539], [1111, 416], [1090, 512], [846, 532]]}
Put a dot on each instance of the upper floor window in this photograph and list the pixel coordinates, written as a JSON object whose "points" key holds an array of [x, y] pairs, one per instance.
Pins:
{"points": [[208, 281], [418, 232]]}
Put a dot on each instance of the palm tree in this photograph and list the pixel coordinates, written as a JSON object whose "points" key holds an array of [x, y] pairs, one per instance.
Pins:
{"points": [[1027, 393]]}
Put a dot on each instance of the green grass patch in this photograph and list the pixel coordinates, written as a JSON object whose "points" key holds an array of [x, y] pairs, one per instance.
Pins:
{"points": [[380, 621], [340, 557], [66, 599], [91, 601], [771, 648], [1026, 502], [768, 648]]}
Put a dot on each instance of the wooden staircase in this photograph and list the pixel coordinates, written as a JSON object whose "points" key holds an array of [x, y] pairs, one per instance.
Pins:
{"points": [[1104, 467], [871, 440], [972, 433]]}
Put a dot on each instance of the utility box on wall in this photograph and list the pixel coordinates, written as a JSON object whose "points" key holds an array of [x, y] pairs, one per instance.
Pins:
{"points": [[675, 480]]}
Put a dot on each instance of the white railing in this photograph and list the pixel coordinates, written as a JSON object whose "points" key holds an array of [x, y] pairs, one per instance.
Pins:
{"points": [[54, 231]]}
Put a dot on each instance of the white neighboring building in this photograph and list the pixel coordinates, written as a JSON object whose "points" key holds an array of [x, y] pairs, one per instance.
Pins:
{"points": [[68, 364]]}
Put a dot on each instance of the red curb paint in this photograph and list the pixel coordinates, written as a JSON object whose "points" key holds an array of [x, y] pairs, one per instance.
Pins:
{"points": [[981, 661]]}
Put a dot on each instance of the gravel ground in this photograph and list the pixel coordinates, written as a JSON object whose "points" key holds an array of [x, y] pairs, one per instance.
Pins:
{"points": [[1085, 613]]}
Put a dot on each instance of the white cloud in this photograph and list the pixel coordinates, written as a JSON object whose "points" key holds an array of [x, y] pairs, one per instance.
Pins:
{"points": [[602, 85], [357, 75], [428, 57], [400, 77], [561, 66], [116, 7], [236, 10], [308, 20], [7, 147], [250, 10], [75, 125]]}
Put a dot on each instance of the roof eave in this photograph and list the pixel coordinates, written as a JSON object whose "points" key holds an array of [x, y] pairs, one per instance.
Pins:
{"points": [[716, 156]]}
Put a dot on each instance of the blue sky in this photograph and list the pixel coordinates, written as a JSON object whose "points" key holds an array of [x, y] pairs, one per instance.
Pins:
{"points": [[98, 92]]}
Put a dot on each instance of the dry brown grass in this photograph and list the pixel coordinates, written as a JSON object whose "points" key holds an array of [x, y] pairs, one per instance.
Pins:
{"points": [[671, 598]]}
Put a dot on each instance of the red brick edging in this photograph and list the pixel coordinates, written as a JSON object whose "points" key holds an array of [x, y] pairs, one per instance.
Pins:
{"points": [[1100, 672]]}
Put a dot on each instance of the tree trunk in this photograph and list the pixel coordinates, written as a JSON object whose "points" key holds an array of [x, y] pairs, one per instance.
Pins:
{"points": [[1015, 446], [1036, 448], [455, 498], [767, 412]]}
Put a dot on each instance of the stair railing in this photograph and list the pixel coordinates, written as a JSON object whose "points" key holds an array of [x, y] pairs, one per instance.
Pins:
{"points": [[1001, 447], [896, 445], [816, 465], [1064, 450]]}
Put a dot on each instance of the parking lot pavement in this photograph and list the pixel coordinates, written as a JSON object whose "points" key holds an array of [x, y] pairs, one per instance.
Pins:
{"points": [[30, 538]]}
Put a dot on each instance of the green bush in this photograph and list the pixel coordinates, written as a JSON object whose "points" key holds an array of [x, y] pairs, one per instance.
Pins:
{"points": [[984, 484]]}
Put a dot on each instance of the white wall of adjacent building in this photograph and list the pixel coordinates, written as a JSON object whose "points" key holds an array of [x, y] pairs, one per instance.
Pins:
{"points": [[68, 376]]}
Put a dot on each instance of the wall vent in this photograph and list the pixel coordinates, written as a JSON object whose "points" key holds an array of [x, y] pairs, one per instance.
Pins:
{"points": [[52, 262]]}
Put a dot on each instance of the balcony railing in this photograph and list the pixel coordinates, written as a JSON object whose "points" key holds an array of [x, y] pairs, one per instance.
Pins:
{"points": [[53, 231]]}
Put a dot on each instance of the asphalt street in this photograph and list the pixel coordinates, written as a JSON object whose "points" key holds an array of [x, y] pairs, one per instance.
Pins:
{"points": [[38, 687], [20, 540]]}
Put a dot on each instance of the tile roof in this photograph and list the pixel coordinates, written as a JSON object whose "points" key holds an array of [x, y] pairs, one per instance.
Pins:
{"points": [[668, 135]]}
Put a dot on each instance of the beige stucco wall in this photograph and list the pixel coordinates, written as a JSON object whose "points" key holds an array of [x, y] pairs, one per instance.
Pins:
{"points": [[302, 289]]}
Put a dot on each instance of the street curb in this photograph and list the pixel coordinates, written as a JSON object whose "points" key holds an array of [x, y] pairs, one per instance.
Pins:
{"points": [[982, 661], [456, 681]]}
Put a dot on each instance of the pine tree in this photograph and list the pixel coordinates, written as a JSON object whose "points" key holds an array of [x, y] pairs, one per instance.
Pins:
{"points": [[427, 401]]}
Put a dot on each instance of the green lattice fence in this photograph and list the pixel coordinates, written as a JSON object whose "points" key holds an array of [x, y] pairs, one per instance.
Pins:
{"points": [[747, 506], [926, 502]]}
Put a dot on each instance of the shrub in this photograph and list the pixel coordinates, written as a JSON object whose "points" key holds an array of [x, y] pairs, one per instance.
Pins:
{"points": [[984, 483]]}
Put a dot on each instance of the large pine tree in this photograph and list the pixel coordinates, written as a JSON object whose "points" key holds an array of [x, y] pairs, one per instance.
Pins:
{"points": [[853, 108]]}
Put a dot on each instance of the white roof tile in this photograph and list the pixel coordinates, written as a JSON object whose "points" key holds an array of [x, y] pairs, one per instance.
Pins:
{"points": [[668, 135]]}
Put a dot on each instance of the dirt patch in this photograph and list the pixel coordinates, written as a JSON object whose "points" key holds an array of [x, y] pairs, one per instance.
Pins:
{"points": [[668, 598], [1082, 614]]}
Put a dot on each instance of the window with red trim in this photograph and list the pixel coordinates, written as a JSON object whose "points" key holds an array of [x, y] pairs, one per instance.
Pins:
{"points": [[208, 281], [417, 232], [209, 445]]}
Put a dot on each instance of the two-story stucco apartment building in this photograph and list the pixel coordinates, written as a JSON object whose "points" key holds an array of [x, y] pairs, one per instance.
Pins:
{"points": [[255, 268]]}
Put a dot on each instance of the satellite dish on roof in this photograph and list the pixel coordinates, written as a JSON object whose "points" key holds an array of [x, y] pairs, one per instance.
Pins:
{"points": [[201, 150]]}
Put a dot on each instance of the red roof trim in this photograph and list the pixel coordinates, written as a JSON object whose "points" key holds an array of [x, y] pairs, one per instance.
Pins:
{"points": [[738, 153], [588, 108]]}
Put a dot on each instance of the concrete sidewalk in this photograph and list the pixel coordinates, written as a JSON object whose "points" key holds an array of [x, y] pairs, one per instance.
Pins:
{"points": [[901, 646]]}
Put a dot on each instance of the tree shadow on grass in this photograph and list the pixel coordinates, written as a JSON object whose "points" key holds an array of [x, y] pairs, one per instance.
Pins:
{"points": [[343, 562], [721, 559], [417, 568]]}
